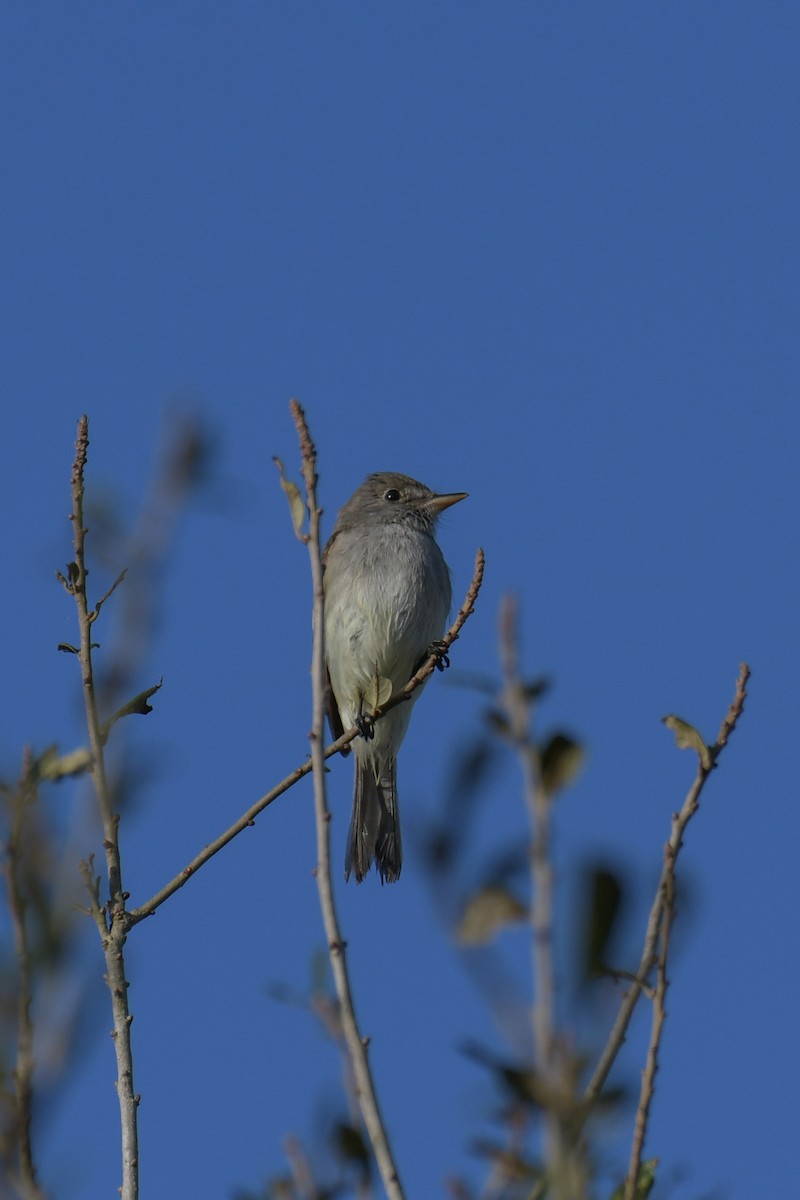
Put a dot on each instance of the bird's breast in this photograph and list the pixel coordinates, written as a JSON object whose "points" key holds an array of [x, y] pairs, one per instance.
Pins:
{"points": [[387, 597]]}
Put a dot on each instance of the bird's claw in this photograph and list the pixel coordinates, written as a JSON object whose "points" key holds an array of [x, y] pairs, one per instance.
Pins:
{"points": [[439, 649], [366, 726]]}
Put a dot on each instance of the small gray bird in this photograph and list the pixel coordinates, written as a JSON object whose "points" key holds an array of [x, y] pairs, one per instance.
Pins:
{"points": [[387, 597]]}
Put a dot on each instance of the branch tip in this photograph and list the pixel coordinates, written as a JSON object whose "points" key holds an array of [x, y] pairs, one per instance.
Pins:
{"points": [[81, 452], [307, 449], [736, 709]]}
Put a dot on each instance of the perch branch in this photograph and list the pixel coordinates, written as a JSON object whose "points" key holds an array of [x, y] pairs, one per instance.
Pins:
{"points": [[248, 818]]}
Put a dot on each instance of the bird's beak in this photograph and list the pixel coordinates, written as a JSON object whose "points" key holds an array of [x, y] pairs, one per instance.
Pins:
{"points": [[440, 503]]}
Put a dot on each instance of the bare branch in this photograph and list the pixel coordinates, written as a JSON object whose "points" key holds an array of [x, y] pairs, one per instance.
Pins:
{"points": [[666, 898], [656, 942], [356, 1046], [517, 708], [544, 771], [659, 1016], [96, 611], [24, 1066], [735, 711], [180, 468], [112, 925]]}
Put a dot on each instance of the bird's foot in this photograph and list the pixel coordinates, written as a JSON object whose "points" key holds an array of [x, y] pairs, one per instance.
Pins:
{"points": [[366, 726], [439, 649]]}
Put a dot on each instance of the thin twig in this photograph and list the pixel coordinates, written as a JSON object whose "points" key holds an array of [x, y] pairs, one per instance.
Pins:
{"points": [[734, 712], [659, 1016], [145, 548], [70, 979], [543, 1009], [303, 1182], [648, 958], [356, 1044], [248, 818], [326, 1009], [564, 1169], [96, 611], [662, 917], [656, 948], [506, 1160], [654, 954], [112, 924], [24, 1066]]}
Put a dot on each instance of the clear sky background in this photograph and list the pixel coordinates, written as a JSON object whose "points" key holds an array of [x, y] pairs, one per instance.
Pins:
{"points": [[543, 253]]}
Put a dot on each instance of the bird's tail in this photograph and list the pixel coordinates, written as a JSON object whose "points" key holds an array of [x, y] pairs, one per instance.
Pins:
{"points": [[375, 827]]}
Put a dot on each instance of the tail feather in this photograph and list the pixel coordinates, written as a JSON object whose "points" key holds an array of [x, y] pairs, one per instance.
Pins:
{"points": [[375, 828]]}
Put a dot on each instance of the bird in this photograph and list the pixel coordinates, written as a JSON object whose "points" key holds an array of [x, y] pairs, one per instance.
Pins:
{"points": [[387, 598]]}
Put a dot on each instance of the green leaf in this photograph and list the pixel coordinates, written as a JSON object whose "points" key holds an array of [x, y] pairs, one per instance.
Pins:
{"points": [[296, 503], [497, 722], [644, 1184], [137, 706], [350, 1144], [687, 738], [534, 689], [561, 760], [604, 898], [520, 1081], [489, 910]]}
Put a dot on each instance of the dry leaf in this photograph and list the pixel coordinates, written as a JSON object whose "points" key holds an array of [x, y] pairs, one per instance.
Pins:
{"points": [[687, 738], [296, 503], [487, 911]]}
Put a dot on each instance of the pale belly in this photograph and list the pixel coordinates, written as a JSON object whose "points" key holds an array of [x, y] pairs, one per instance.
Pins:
{"points": [[379, 624]]}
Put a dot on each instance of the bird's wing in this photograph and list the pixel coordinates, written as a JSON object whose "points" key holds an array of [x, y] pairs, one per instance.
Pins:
{"points": [[334, 716]]}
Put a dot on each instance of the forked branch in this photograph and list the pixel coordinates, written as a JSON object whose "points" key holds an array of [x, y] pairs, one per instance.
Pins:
{"points": [[111, 919], [655, 950]]}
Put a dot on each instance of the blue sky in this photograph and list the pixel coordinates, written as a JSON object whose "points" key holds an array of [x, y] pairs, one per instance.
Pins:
{"points": [[546, 254]]}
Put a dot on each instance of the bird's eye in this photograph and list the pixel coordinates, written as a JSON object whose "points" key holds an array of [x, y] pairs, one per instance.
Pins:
{"points": [[392, 494]]}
